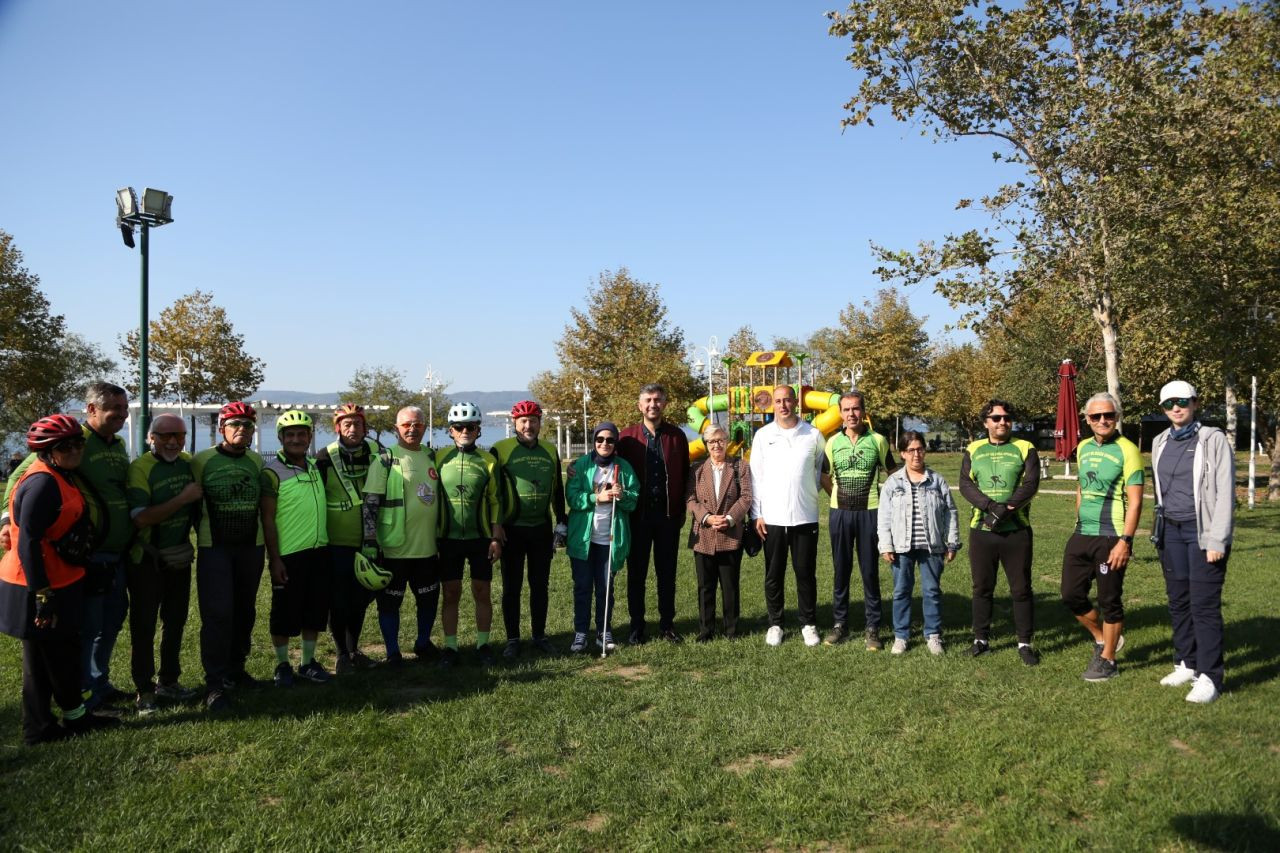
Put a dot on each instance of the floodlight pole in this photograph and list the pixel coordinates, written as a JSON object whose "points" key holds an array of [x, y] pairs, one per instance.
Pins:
{"points": [[144, 338], [155, 210]]}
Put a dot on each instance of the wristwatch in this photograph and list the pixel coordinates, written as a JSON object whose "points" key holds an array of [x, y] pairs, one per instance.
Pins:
{"points": [[1127, 539]]}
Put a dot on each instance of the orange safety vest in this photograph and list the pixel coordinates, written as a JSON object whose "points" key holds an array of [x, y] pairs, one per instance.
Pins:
{"points": [[59, 571]]}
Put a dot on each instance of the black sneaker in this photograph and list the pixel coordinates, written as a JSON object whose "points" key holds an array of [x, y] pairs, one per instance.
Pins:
{"points": [[448, 658], [637, 637], [241, 680], [511, 650], [395, 661], [980, 648], [670, 635], [217, 702], [362, 661], [344, 665], [544, 645], [1029, 655], [835, 636], [1101, 669], [90, 722], [284, 674], [484, 654], [703, 637], [426, 651], [314, 672]]}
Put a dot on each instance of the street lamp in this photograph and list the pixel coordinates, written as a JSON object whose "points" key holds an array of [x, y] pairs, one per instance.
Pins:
{"points": [[181, 368], [431, 384], [712, 353], [154, 212], [580, 386], [852, 375]]}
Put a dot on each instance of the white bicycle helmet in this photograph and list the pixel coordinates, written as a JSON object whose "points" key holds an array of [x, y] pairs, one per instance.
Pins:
{"points": [[464, 413]]}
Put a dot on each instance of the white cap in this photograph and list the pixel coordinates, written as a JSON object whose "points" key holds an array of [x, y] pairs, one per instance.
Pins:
{"points": [[1177, 388]]}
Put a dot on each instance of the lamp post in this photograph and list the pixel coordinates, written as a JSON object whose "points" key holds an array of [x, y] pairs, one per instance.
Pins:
{"points": [[154, 212], [430, 385], [852, 375], [712, 352], [580, 386]]}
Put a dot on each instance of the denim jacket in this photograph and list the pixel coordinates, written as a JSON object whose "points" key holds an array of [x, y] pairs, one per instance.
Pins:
{"points": [[941, 519]]}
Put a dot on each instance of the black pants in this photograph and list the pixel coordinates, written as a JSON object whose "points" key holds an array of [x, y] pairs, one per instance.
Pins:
{"points": [[801, 542], [987, 550], [301, 603], [662, 534], [349, 600], [1085, 562], [157, 591], [854, 532], [532, 544], [227, 580], [51, 666], [1195, 600], [724, 568]]}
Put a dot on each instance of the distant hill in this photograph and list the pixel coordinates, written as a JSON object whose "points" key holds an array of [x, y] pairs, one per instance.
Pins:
{"points": [[488, 401]]}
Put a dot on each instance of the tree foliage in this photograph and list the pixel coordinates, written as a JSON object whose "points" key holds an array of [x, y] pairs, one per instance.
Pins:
{"points": [[620, 341], [890, 343], [382, 385], [216, 367], [962, 378], [44, 365]]}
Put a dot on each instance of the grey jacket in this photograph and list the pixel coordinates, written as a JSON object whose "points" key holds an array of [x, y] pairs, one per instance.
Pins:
{"points": [[941, 519], [1213, 485]]}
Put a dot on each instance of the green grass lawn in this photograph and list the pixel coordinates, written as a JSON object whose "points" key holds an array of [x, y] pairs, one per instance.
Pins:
{"points": [[725, 745]]}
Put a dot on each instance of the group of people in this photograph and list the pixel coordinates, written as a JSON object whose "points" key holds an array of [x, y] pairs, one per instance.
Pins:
{"points": [[90, 536]]}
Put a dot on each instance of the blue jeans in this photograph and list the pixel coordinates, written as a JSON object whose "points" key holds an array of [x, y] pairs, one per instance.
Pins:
{"points": [[589, 573], [103, 617], [904, 581]]}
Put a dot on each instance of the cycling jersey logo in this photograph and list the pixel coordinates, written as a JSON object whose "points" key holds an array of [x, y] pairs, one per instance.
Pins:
{"points": [[426, 494], [464, 491], [997, 482], [1091, 481]]}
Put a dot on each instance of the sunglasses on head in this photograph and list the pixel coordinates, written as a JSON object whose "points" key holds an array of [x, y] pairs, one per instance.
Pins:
{"points": [[1101, 416], [604, 439], [1180, 402], [1000, 418]]}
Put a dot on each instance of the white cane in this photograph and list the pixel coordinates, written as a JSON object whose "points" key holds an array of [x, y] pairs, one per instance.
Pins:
{"points": [[608, 570]]}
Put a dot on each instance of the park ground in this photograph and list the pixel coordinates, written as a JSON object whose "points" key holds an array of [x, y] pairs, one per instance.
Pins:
{"points": [[727, 745]]}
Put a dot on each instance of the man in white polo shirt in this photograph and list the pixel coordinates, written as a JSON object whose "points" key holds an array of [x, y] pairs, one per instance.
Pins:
{"points": [[786, 474]]}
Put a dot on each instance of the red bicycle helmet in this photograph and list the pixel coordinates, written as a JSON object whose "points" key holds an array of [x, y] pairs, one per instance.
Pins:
{"points": [[48, 431], [526, 409], [235, 410], [347, 410]]}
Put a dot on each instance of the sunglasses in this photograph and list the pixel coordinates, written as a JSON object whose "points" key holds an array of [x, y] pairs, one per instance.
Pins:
{"points": [[465, 427], [74, 443], [603, 440], [712, 441], [1101, 416], [1000, 418], [1180, 402], [241, 424], [914, 450]]}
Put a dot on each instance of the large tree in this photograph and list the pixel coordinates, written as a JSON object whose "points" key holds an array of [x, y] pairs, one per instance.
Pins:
{"points": [[215, 366], [1075, 94], [44, 365], [620, 341], [381, 385], [890, 343]]}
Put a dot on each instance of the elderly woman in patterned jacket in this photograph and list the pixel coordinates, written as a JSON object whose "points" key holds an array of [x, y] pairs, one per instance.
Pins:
{"points": [[719, 502]]}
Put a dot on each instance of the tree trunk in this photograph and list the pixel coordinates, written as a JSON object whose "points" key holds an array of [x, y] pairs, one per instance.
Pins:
{"points": [[1233, 402], [1273, 487], [1106, 320]]}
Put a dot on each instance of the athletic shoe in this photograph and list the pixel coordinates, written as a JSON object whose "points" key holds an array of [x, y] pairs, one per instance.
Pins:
{"points": [[284, 674], [448, 658], [484, 654], [637, 637], [511, 650], [872, 637], [773, 637], [978, 649], [1203, 691], [240, 681], [146, 704], [111, 695], [835, 636], [314, 672], [90, 722], [1097, 647], [544, 645], [703, 637], [51, 734], [934, 642], [1029, 655], [426, 650], [395, 661], [899, 646], [362, 661], [1182, 674], [670, 635], [606, 642], [810, 634], [579, 644], [175, 692], [344, 666], [1101, 669], [217, 701]]}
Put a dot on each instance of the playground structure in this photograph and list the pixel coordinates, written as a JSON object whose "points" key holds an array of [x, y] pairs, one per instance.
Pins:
{"points": [[748, 405]]}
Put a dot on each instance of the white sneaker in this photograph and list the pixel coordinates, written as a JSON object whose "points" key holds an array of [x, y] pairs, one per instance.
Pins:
{"points": [[810, 634], [774, 636], [606, 642], [899, 646], [1203, 692], [1182, 674], [935, 644], [579, 644]]}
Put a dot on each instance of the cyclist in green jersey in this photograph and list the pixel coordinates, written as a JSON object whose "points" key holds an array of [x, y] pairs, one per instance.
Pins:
{"points": [[164, 500], [999, 475], [228, 553], [343, 466], [1108, 507], [296, 534], [531, 472], [470, 528]]}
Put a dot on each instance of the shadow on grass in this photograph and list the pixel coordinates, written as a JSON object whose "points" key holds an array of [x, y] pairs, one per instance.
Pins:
{"points": [[1228, 831]]}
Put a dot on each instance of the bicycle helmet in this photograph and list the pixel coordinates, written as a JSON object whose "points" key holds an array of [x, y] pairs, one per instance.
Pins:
{"points": [[47, 432], [370, 575], [526, 409], [347, 410], [464, 413], [233, 411], [292, 418]]}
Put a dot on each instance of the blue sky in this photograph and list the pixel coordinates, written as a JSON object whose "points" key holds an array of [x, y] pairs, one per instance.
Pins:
{"points": [[428, 183]]}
